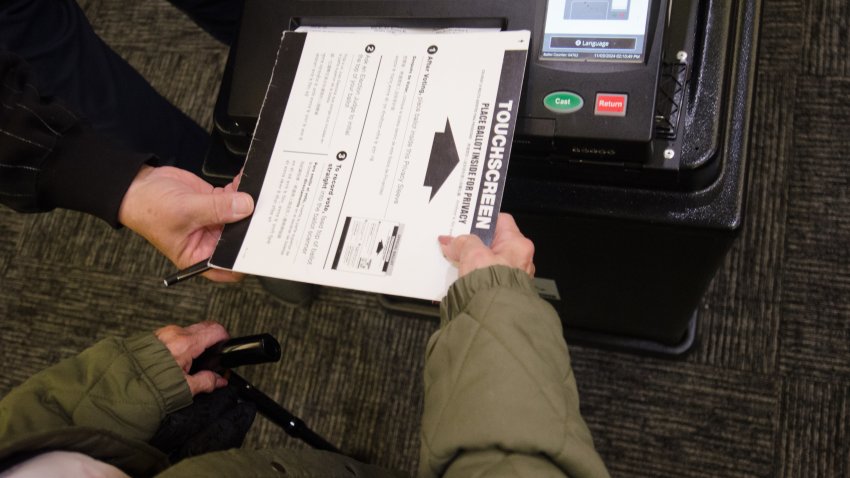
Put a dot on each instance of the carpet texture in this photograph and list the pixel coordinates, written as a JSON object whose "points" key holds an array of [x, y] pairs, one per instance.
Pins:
{"points": [[765, 391]]}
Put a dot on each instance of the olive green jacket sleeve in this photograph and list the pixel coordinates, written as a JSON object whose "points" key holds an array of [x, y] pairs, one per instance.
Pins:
{"points": [[121, 386], [500, 395]]}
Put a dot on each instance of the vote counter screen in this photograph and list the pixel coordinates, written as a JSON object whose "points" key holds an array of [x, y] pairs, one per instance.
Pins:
{"points": [[596, 30]]}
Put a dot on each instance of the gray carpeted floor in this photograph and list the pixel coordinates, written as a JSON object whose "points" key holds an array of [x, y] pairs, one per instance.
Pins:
{"points": [[765, 392]]}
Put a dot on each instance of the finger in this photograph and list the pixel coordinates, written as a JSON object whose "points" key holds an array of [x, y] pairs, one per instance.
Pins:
{"points": [[445, 247], [512, 245], [458, 246], [203, 335], [222, 208], [238, 179], [506, 223], [506, 230], [178, 342], [472, 246], [170, 336], [218, 275], [204, 381], [473, 254]]}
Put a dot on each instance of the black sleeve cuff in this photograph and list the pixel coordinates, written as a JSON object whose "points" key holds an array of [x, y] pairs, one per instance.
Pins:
{"points": [[88, 173]]}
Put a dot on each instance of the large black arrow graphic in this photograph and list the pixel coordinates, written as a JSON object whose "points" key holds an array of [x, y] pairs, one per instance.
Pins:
{"points": [[443, 160]]}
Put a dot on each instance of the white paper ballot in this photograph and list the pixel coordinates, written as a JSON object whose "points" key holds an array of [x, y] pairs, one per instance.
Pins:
{"points": [[369, 145]]}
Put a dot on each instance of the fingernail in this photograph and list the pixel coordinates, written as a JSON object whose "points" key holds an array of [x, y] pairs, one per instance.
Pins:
{"points": [[242, 204], [444, 240]]}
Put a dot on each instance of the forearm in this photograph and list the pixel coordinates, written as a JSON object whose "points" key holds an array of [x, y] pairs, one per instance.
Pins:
{"points": [[499, 389], [51, 158], [124, 386]]}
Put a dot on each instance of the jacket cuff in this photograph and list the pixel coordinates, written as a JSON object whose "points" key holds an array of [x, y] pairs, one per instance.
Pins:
{"points": [[158, 365], [465, 288], [88, 173]]}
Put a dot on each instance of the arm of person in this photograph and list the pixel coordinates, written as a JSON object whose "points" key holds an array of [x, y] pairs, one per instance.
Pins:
{"points": [[500, 394], [51, 158], [122, 386]]}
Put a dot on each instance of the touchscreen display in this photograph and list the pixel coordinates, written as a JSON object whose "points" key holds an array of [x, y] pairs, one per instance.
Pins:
{"points": [[596, 30]]}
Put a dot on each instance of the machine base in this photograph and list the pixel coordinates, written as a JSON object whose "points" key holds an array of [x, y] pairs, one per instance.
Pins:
{"points": [[619, 342]]}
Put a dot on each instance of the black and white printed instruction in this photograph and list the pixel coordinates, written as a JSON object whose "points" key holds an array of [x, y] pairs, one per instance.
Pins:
{"points": [[385, 141]]}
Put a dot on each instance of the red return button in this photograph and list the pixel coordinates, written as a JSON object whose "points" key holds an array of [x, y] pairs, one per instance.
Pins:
{"points": [[610, 104]]}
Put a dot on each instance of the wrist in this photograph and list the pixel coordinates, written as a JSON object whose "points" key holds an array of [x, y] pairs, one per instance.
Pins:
{"points": [[127, 211], [158, 365], [464, 290]]}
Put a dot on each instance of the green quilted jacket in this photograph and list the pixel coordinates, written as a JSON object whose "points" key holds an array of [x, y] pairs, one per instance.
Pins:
{"points": [[500, 400]]}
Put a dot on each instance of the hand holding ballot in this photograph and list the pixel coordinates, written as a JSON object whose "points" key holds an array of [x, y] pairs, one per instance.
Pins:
{"points": [[509, 248], [369, 145], [182, 215]]}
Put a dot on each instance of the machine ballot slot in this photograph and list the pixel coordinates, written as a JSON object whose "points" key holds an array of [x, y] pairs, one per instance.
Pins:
{"points": [[396, 22], [605, 86]]}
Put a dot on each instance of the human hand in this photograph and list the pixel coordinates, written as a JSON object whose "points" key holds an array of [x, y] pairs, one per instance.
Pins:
{"points": [[186, 344], [182, 215], [509, 248]]}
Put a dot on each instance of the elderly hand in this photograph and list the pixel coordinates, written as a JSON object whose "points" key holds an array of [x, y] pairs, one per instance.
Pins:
{"points": [[510, 248], [186, 344], [182, 215]]}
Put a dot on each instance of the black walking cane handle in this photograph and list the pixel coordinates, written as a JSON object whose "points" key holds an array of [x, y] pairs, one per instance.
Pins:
{"points": [[248, 350]]}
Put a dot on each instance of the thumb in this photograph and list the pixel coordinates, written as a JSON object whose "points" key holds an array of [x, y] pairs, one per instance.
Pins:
{"points": [[219, 208], [204, 381]]}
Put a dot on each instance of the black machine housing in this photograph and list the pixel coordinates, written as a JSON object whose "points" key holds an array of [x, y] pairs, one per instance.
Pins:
{"points": [[632, 215]]}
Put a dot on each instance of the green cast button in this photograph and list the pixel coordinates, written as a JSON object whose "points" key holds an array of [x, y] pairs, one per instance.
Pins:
{"points": [[563, 102]]}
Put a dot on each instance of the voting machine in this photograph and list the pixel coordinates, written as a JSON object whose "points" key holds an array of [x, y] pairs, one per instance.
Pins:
{"points": [[630, 148]]}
